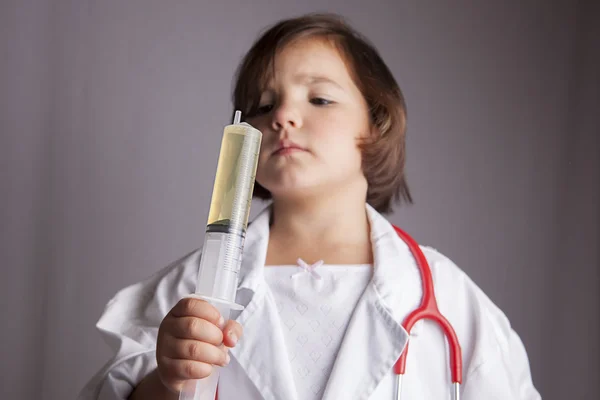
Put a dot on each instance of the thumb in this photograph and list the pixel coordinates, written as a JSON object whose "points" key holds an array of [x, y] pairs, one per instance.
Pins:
{"points": [[232, 332]]}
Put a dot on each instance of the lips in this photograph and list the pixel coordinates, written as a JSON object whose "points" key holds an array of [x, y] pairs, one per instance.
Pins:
{"points": [[287, 147]]}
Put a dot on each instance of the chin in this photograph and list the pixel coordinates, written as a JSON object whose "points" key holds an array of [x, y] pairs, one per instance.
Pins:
{"points": [[297, 191], [288, 191]]}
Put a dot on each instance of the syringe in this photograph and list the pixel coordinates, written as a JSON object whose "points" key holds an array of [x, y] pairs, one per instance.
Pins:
{"points": [[225, 233]]}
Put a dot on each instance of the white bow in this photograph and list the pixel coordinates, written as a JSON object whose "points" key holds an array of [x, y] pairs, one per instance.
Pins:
{"points": [[309, 268]]}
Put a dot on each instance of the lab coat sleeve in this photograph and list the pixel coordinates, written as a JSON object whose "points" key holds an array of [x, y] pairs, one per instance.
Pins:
{"points": [[503, 371], [495, 361], [505, 376], [129, 325]]}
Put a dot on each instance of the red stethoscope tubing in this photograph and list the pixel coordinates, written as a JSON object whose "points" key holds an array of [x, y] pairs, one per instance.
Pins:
{"points": [[428, 309]]}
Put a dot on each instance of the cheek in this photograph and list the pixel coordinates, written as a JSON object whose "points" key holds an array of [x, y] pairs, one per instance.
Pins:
{"points": [[343, 150], [343, 135]]}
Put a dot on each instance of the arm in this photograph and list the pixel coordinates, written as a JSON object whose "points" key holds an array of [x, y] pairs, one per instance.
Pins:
{"points": [[129, 325], [496, 364], [145, 333], [504, 375]]}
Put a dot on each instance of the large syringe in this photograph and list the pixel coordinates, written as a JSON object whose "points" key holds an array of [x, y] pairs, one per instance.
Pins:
{"points": [[225, 233]]}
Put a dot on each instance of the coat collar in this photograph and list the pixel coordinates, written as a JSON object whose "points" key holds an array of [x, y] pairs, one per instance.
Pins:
{"points": [[374, 339]]}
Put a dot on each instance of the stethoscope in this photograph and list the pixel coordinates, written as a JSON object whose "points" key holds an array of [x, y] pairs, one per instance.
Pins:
{"points": [[428, 309]]}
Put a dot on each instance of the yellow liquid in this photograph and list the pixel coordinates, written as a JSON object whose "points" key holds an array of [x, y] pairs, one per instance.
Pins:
{"points": [[234, 181]]}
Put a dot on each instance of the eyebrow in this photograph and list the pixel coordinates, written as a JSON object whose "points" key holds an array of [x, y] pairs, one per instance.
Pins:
{"points": [[315, 79]]}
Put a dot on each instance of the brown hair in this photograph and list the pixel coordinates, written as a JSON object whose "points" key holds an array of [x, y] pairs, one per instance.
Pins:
{"points": [[383, 156]]}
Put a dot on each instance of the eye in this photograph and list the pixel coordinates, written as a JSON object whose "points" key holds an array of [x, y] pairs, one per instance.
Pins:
{"points": [[319, 101], [264, 109]]}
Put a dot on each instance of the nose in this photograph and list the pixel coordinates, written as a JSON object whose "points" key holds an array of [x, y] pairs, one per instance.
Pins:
{"points": [[286, 116]]}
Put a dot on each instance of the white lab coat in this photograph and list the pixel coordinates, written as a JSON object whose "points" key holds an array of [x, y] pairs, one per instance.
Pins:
{"points": [[495, 363]]}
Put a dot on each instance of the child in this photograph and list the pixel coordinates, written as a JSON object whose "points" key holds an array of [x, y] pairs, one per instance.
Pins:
{"points": [[326, 282]]}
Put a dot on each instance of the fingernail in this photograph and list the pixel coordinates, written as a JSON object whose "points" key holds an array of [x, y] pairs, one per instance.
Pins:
{"points": [[233, 337], [221, 321], [227, 358]]}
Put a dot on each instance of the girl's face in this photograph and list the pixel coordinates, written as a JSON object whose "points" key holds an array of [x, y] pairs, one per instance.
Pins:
{"points": [[311, 115]]}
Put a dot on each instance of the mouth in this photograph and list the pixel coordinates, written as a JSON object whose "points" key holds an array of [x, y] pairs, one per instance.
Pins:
{"points": [[288, 148]]}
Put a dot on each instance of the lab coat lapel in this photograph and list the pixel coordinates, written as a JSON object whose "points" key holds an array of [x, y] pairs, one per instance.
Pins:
{"points": [[375, 337], [261, 352]]}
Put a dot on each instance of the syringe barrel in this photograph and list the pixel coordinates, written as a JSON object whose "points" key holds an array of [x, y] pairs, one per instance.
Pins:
{"points": [[220, 265], [229, 212], [234, 181]]}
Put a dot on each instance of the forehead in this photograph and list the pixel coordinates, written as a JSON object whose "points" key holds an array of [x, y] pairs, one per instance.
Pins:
{"points": [[305, 61]]}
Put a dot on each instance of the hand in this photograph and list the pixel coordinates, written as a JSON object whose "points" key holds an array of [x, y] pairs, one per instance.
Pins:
{"points": [[191, 339]]}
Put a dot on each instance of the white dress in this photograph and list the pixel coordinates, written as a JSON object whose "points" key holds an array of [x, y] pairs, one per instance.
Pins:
{"points": [[315, 304]]}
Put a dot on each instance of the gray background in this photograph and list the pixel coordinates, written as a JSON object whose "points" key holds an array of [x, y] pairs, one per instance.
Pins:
{"points": [[111, 114]]}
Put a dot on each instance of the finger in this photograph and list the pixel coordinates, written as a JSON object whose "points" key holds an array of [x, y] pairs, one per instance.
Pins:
{"points": [[179, 370], [190, 307], [196, 329], [232, 332], [195, 350]]}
